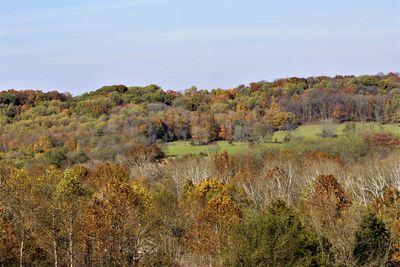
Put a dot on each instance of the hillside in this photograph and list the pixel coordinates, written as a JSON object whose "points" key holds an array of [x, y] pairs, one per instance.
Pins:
{"points": [[57, 128], [294, 172]]}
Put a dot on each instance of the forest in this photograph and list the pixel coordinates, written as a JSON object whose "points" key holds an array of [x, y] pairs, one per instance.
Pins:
{"points": [[291, 172]]}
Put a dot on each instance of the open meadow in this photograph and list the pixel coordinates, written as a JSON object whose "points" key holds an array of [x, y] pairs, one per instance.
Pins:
{"points": [[299, 136]]}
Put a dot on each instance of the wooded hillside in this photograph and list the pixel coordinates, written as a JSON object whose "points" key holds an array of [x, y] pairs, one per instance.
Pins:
{"points": [[314, 180]]}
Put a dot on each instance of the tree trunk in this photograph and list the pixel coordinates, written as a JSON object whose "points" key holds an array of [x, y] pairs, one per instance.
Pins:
{"points": [[55, 249], [55, 253], [71, 244], [21, 252]]}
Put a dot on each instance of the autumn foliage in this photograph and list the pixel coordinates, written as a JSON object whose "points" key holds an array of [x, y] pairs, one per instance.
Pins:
{"points": [[88, 181], [329, 199]]}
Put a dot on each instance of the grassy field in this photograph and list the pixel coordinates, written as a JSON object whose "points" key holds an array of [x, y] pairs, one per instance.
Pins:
{"points": [[302, 133], [180, 148], [313, 131]]}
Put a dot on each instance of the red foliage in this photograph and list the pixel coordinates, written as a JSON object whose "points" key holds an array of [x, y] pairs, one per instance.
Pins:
{"points": [[384, 140]]}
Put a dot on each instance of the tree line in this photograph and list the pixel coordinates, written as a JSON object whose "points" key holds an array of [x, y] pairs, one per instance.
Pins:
{"points": [[64, 130]]}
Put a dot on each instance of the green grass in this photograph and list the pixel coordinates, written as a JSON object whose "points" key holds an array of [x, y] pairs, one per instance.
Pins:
{"points": [[180, 148], [304, 131], [313, 131], [301, 134], [392, 128]]}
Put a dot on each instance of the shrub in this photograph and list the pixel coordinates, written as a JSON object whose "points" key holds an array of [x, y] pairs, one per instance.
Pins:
{"points": [[328, 131]]}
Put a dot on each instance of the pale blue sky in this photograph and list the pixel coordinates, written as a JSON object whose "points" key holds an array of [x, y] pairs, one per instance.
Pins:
{"points": [[81, 45]]}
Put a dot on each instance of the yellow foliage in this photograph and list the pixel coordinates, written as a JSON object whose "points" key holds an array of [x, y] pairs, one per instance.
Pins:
{"points": [[278, 118], [222, 209], [142, 193], [208, 187]]}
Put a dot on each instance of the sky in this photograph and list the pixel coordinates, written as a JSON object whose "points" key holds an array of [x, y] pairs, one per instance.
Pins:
{"points": [[80, 45]]}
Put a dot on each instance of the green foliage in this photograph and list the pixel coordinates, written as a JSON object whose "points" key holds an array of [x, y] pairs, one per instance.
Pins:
{"points": [[94, 107], [364, 80], [150, 94], [55, 157], [77, 157], [11, 111], [275, 237], [372, 241], [99, 132], [70, 187], [112, 89]]}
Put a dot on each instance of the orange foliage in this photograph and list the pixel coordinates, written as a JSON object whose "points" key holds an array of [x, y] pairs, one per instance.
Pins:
{"points": [[329, 199], [390, 197], [222, 133], [210, 230], [278, 118]]}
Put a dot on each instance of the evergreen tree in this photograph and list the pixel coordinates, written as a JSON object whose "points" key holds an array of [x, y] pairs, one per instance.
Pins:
{"points": [[372, 241]]}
